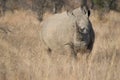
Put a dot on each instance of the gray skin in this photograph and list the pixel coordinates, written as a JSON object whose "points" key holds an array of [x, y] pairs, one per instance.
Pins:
{"points": [[71, 32]]}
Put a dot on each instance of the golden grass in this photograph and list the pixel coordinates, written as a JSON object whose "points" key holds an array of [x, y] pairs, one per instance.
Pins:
{"points": [[22, 56]]}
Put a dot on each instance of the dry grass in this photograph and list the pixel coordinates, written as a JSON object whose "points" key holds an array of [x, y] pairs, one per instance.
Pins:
{"points": [[22, 56]]}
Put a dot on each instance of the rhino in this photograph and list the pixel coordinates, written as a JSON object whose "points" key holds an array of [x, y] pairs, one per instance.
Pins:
{"points": [[68, 32]]}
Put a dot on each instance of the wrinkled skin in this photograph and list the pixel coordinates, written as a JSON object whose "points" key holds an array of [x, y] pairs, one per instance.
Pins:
{"points": [[70, 32]]}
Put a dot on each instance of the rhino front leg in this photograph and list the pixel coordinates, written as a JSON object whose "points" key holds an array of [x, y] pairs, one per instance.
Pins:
{"points": [[69, 48]]}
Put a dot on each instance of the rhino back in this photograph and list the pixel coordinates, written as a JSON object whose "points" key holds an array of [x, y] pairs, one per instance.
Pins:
{"points": [[58, 30]]}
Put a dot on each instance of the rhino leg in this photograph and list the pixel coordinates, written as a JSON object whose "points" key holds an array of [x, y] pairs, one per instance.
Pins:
{"points": [[69, 48]]}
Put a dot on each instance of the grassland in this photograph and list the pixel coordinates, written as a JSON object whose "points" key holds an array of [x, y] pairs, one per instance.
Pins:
{"points": [[22, 56]]}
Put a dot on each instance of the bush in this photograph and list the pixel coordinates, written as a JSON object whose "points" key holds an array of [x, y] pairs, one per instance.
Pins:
{"points": [[41, 6], [55, 6], [105, 5], [13, 5]]}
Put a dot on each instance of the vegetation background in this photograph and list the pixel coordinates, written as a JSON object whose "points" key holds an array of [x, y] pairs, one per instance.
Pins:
{"points": [[22, 55]]}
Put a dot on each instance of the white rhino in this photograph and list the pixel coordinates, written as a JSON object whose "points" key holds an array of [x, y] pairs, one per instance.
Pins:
{"points": [[70, 32]]}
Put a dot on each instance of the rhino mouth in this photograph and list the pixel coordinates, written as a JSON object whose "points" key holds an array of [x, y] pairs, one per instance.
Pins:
{"points": [[82, 47]]}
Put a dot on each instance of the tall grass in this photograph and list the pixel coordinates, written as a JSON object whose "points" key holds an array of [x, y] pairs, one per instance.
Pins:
{"points": [[22, 55]]}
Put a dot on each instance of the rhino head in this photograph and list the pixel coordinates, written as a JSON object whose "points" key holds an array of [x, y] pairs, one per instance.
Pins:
{"points": [[84, 34]]}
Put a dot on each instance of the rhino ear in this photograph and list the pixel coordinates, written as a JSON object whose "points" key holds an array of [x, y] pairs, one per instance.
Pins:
{"points": [[86, 11], [84, 7], [70, 13]]}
